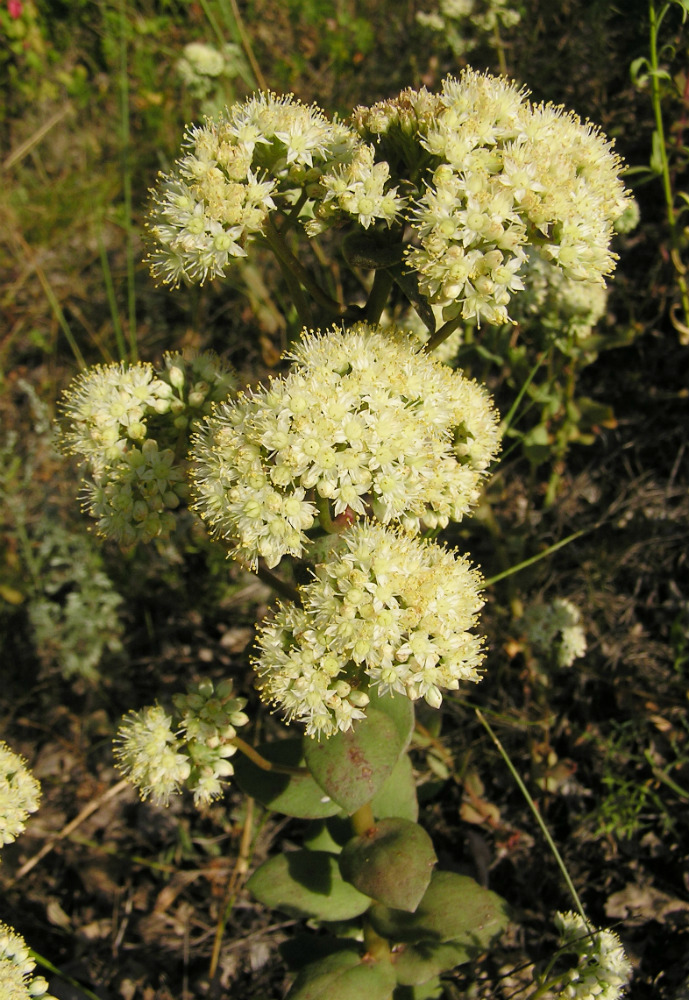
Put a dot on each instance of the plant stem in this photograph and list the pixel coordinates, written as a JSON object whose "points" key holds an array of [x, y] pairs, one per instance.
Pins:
{"points": [[362, 820], [246, 45], [378, 296], [536, 814], [125, 148], [266, 765], [443, 333], [285, 255], [376, 946], [655, 22], [279, 586], [540, 555]]}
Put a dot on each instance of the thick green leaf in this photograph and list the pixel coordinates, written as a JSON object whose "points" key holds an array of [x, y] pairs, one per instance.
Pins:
{"points": [[391, 863], [293, 795], [397, 797], [417, 963], [319, 838], [432, 990], [351, 767], [454, 908], [343, 976], [303, 948], [307, 884], [397, 707]]}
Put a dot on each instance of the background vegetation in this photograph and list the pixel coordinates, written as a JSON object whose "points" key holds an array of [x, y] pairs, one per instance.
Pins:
{"points": [[128, 900]]}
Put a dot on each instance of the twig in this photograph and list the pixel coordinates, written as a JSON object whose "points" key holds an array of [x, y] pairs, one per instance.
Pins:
{"points": [[87, 811]]}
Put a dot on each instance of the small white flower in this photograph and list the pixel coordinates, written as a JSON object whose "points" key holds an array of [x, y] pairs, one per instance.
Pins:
{"points": [[20, 794]]}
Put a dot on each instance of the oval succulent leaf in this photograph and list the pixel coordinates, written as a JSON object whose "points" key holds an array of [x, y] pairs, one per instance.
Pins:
{"points": [[351, 767], [391, 862], [397, 797], [292, 795], [343, 976], [454, 908], [307, 884]]}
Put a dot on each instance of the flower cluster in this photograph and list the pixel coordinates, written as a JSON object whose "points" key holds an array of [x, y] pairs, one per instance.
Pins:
{"points": [[478, 171], [555, 630], [159, 753], [365, 424], [602, 970], [463, 23], [16, 966], [562, 308], [504, 174], [72, 632], [237, 168], [19, 794], [202, 66], [360, 189], [385, 610], [130, 425]]}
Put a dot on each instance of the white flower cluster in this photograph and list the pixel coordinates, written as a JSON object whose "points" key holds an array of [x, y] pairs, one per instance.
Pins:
{"points": [[16, 966], [465, 23], [364, 425], [556, 307], [218, 195], [359, 188], [385, 610], [505, 174], [160, 753], [20, 794], [555, 630], [478, 171], [602, 970], [72, 632], [202, 66], [130, 425]]}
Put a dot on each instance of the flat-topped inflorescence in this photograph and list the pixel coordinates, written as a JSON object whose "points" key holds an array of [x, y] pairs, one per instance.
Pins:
{"points": [[20, 794], [263, 152], [601, 969], [16, 967], [160, 753], [463, 182], [130, 425], [386, 611], [364, 425]]}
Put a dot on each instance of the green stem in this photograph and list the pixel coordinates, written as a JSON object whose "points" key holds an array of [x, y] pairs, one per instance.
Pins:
{"points": [[655, 22], [279, 586], [266, 765], [125, 145], [246, 44], [540, 555], [297, 294], [443, 333], [378, 296], [362, 820], [285, 255], [112, 301], [376, 946], [536, 814]]}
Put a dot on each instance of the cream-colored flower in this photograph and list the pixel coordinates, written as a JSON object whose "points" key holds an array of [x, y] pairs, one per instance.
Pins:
{"points": [[365, 424], [16, 966], [601, 970], [386, 611], [20, 794]]}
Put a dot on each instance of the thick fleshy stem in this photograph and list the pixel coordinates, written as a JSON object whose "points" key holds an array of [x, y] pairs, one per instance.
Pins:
{"points": [[286, 257], [443, 333], [377, 947]]}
